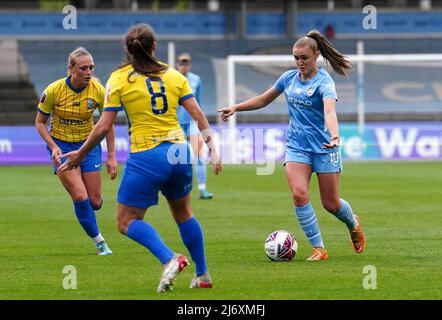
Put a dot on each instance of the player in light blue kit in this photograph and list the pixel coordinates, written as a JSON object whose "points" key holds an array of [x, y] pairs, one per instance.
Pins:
{"points": [[312, 137], [184, 63]]}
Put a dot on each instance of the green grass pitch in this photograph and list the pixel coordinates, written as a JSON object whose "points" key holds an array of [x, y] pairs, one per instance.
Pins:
{"points": [[399, 204]]}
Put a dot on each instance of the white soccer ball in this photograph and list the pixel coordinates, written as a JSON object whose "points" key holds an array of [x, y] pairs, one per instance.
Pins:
{"points": [[281, 245]]}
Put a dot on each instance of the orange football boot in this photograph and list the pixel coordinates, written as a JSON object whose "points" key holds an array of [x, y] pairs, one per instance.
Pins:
{"points": [[357, 237], [318, 254]]}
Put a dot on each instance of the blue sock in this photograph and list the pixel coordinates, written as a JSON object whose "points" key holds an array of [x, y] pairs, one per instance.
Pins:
{"points": [[345, 214], [192, 236], [86, 216], [309, 224], [147, 236], [201, 171]]}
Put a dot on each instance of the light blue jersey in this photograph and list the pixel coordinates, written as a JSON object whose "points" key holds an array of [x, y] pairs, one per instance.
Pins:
{"points": [[195, 84], [307, 130]]}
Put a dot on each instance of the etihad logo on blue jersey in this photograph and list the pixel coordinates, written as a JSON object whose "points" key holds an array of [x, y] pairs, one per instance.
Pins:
{"points": [[299, 102], [71, 122]]}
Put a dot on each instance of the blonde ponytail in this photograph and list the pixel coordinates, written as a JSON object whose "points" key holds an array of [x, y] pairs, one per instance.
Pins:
{"points": [[316, 41]]}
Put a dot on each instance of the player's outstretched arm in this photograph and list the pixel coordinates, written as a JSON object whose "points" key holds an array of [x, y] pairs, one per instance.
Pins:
{"points": [[254, 103]]}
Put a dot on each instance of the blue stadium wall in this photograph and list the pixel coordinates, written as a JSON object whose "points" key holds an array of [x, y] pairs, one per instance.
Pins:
{"points": [[46, 59], [216, 24]]}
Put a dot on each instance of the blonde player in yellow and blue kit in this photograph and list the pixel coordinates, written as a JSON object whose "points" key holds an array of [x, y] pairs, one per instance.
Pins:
{"points": [[149, 92], [70, 103]]}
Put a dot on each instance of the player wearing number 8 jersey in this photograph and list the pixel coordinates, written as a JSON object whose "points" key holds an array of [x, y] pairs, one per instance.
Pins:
{"points": [[151, 110], [149, 92], [312, 138]]}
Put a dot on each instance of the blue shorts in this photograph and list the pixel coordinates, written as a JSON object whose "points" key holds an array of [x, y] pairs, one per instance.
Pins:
{"points": [[91, 163], [166, 168], [190, 128], [320, 162]]}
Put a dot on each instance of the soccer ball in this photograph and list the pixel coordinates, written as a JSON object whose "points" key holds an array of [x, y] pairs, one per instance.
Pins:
{"points": [[281, 245]]}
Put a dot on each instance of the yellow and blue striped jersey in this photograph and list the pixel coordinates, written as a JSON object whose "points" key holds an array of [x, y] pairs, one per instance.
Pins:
{"points": [[71, 109], [150, 104]]}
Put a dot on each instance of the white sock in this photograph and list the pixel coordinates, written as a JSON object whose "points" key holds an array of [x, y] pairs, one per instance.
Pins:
{"points": [[98, 238], [201, 186]]}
